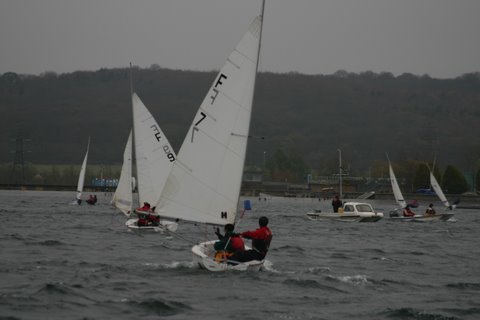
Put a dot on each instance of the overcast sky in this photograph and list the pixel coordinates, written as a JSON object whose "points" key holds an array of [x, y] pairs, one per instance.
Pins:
{"points": [[435, 37]]}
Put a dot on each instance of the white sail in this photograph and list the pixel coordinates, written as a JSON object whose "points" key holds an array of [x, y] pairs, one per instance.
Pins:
{"points": [[153, 153], [204, 184], [396, 189], [122, 199], [81, 176], [438, 190]]}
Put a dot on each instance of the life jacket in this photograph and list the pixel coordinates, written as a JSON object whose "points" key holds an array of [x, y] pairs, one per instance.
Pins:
{"points": [[237, 244], [222, 256]]}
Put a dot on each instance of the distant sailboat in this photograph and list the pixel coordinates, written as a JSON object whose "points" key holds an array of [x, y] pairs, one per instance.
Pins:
{"points": [[397, 214], [154, 157], [81, 177], [438, 190], [122, 199], [204, 183]]}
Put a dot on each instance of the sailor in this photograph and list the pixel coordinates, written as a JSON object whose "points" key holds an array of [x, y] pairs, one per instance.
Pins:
{"points": [[261, 239], [430, 211], [228, 244], [142, 220], [336, 203], [407, 212], [145, 208], [153, 219]]}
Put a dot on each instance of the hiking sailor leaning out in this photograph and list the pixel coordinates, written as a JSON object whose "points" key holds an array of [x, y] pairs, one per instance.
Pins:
{"points": [[261, 239]]}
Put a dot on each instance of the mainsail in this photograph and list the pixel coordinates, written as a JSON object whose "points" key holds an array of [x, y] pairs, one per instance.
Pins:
{"points": [[153, 153], [81, 176], [395, 188], [438, 190], [122, 199], [204, 184]]}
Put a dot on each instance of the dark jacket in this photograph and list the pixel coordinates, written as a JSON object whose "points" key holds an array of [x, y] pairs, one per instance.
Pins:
{"points": [[261, 239]]}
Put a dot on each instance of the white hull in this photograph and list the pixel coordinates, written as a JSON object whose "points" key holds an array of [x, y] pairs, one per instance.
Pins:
{"points": [[350, 212], [164, 226], [203, 255], [346, 217], [419, 218]]}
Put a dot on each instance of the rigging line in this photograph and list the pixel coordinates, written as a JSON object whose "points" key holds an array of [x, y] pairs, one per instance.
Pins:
{"points": [[173, 233]]}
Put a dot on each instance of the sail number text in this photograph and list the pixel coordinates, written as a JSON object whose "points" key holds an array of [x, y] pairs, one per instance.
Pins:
{"points": [[165, 147]]}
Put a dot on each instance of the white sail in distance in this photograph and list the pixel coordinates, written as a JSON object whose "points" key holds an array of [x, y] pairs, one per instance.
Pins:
{"points": [[122, 199], [438, 190], [396, 188], [204, 184], [154, 155], [81, 176]]}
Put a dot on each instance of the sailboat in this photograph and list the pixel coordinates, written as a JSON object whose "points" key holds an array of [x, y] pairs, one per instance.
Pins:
{"points": [[122, 199], [204, 183], [154, 157], [397, 214], [438, 190], [81, 177]]}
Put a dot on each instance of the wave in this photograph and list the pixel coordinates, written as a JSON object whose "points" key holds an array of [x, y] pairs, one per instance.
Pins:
{"points": [[356, 280], [464, 285], [409, 313], [318, 270], [60, 289], [465, 312], [312, 284], [288, 248], [51, 243], [160, 307]]}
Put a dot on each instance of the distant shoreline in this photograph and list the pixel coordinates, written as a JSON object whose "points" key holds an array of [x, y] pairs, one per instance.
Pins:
{"points": [[254, 192]]}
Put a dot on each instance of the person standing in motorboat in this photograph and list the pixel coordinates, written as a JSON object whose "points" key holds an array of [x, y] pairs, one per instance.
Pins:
{"points": [[430, 211], [407, 212], [261, 239], [336, 203]]}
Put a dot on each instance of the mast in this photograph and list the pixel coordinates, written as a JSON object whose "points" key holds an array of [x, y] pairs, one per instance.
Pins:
{"points": [[134, 158], [340, 171]]}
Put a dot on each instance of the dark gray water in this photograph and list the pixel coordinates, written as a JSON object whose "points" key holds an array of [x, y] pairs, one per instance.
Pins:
{"points": [[80, 262]]}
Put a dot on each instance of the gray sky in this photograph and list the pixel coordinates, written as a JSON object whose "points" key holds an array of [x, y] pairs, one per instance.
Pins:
{"points": [[435, 37]]}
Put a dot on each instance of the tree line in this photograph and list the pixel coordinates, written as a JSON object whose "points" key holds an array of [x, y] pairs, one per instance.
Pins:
{"points": [[307, 117]]}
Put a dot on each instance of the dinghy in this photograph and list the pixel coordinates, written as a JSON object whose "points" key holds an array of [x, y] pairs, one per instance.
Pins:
{"points": [[81, 177], [154, 157], [397, 214], [204, 183]]}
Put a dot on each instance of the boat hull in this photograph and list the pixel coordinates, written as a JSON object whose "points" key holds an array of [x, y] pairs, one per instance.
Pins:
{"points": [[164, 226], [437, 217], [203, 255], [345, 217]]}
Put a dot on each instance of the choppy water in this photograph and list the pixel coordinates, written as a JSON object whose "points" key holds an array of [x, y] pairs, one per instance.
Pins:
{"points": [[80, 262]]}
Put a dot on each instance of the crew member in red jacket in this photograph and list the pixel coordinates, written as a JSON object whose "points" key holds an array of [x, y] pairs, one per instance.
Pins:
{"points": [[261, 239]]}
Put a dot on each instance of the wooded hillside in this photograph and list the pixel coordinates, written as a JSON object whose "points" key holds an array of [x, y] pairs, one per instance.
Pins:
{"points": [[311, 116]]}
